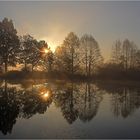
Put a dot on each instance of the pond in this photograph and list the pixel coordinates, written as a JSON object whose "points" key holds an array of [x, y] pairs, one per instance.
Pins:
{"points": [[60, 109]]}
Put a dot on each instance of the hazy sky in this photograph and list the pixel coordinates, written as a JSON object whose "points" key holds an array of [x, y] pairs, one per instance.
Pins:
{"points": [[52, 21]]}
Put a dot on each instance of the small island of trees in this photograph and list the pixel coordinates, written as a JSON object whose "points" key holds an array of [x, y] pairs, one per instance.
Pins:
{"points": [[74, 58]]}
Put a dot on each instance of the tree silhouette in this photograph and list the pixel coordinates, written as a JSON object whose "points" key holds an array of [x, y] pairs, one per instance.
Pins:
{"points": [[29, 51], [9, 43]]}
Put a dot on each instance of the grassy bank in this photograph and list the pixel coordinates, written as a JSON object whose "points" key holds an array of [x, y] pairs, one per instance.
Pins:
{"points": [[27, 75]]}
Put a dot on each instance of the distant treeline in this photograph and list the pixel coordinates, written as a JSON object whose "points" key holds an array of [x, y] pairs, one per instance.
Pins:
{"points": [[75, 56]]}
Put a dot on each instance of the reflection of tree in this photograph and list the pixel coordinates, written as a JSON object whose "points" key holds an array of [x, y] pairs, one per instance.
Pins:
{"points": [[9, 109], [125, 102], [32, 103], [125, 97], [19, 103], [89, 100], [75, 101], [1, 82], [65, 99], [78, 101]]}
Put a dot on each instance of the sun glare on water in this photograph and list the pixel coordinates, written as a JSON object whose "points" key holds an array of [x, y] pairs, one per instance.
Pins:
{"points": [[46, 95]]}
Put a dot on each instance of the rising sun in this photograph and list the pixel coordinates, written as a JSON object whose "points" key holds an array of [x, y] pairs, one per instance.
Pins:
{"points": [[51, 43]]}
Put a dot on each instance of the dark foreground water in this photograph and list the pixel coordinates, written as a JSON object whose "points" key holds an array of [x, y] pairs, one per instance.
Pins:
{"points": [[41, 109]]}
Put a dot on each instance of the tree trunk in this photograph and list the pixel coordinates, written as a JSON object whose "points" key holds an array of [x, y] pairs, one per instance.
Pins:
{"points": [[89, 68], [71, 98], [72, 62], [25, 65], [89, 94], [86, 64], [6, 66], [5, 90], [86, 92], [32, 67]]}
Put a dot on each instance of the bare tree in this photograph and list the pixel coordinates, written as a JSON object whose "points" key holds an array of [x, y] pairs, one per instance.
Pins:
{"points": [[90, 54], [116, 52], [67, 53], [124, 54]]}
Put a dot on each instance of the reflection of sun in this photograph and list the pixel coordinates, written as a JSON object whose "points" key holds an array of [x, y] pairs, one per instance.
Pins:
{"points": [[46, 95]]}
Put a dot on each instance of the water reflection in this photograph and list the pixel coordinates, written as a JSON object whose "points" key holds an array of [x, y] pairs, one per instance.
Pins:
{"points": [[75, 100], [66, 100], [125, 102], [9, 109], [20, 104], [78, 101], [89, 102]]}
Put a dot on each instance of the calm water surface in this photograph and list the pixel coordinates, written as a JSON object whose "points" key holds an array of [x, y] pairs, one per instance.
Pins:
{"points": [[42, 109]]}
